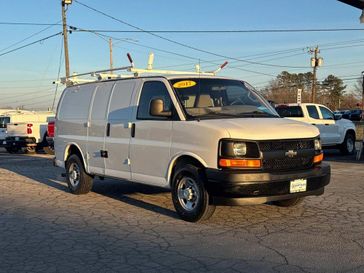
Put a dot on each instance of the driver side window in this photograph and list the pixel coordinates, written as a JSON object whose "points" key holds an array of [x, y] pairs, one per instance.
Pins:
{"points": [[326, 113], [153, 90]]}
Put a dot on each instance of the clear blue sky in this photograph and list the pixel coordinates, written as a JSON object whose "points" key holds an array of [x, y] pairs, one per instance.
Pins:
{"points": [[26, 75]]}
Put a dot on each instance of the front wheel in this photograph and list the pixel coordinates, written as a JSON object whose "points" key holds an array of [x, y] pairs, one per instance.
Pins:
{"points": [[79, 182], [288, 202], [190, 198], [348, 146]]}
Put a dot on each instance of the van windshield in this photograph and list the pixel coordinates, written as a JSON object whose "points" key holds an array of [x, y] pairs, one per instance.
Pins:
{"points": [[4, 121], [220, 98]]}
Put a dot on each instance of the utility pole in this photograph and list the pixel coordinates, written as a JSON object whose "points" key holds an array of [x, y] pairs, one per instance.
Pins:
{"points": [[111, 60], [362, 95], [65, 37], [316, 62]]}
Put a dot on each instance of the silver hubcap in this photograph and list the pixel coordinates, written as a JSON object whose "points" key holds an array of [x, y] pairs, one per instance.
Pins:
{"points": [[350, 144], [188, 193], [74, 174]]}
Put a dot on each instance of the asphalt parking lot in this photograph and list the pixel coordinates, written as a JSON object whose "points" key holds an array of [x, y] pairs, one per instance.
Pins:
{"points": [[133, 228]]}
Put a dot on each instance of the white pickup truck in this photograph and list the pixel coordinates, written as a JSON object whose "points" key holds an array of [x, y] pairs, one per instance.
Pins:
{"points": [[25, 137], [334, 131], [24, 130]]}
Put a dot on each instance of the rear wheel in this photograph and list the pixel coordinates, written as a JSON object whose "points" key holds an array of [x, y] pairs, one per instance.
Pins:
{"points": [[12, 150], [348, 146], [190, 198], [288, 202], [79, 182]]}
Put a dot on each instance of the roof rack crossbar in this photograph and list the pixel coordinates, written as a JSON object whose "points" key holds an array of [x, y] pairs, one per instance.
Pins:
{"points": [[105, 73]]}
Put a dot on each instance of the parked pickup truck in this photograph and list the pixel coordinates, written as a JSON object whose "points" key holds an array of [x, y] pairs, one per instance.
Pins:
{"points": [[334, 130], [25, 137]]}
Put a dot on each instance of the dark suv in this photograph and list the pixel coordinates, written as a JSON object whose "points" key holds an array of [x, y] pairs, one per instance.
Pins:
{"points": [[356, 114]]}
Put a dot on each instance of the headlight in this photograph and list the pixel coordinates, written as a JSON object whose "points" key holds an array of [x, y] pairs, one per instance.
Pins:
{"points": [[318, 144], [239, 149], [239, 154]]}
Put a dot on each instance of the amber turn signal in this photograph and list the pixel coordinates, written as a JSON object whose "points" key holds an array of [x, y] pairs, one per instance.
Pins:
{"points": [[318, 158], [240, 163]]}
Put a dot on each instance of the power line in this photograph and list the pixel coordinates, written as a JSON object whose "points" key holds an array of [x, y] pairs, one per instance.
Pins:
{"points": [[213, 31], [181, 55], [58, 74], [29, 24], [32, 43], [217, 31], [19, 95], [179, 43], [28, 37]]}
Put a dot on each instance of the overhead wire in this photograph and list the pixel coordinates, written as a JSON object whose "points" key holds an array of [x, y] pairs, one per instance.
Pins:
{"points": [[176, 42], [58, 74], [30, 36], [29, 44]]}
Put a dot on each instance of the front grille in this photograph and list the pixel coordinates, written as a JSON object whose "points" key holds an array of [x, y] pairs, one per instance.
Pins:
{"points": [[281, 162], [269, 146], [286, 164]]}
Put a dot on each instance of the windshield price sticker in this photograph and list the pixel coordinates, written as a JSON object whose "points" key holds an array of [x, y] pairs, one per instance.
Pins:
{"points": [[184, 84]]}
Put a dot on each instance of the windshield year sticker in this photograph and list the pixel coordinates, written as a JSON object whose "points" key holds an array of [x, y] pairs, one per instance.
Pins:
{"points": [[184, 84]]}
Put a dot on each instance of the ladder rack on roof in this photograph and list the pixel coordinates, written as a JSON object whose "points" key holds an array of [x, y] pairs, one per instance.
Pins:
{"points": [[107, 74]]}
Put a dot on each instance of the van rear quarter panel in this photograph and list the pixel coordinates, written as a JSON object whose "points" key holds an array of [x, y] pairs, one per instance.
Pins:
{"points": [[72, 117]]}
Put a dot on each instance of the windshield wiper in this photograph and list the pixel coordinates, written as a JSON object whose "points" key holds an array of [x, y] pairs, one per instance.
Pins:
{"points": [[258, 114]]}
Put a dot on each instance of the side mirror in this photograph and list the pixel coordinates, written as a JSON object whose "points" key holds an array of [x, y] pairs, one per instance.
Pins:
{"points": [[338, 116], [157, 107]]}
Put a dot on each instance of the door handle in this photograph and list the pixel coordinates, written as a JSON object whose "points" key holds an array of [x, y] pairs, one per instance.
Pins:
{"points": [[108, 129], [132, 130]]}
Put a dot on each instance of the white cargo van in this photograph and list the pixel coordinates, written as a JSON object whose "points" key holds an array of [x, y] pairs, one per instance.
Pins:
{"points": [[211, 140]]}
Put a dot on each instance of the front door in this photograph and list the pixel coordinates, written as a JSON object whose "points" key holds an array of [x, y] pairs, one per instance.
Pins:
{"points": [[328, 127], [150, 146]]}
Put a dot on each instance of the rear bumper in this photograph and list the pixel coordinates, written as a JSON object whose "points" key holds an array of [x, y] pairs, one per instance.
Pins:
{"points": [[232, 187], [19, 142]]}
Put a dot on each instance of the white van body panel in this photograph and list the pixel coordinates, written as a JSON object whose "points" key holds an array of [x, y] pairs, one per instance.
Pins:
{"points": [[72, 120], [273, 128], [150, 155], [121, 109]]}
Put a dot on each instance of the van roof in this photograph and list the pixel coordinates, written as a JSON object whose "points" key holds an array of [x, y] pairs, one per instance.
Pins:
{"points": [[165, 76]]}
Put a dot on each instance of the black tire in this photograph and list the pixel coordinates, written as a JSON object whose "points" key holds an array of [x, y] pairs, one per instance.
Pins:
{"points": [[288, 202], [201, 209], [10, 150], [348, 146], [79, 182]]}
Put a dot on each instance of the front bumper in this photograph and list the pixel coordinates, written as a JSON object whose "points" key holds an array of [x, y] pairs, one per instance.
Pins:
{"points": [[19, 142], [237, 187]]}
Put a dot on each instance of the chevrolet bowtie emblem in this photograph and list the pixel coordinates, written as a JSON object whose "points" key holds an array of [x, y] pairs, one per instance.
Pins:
{"points": [[291, 153]]}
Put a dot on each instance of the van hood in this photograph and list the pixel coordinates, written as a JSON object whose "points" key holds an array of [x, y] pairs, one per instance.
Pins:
{"points": [[264, 128]]}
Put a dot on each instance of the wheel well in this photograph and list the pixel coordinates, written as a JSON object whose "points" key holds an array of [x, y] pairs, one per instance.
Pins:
{"points": [[351, 132], [73, 149], [184, 160]]}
